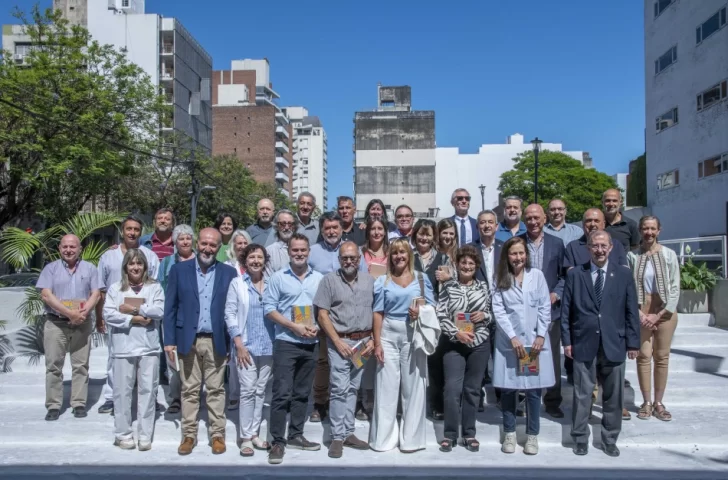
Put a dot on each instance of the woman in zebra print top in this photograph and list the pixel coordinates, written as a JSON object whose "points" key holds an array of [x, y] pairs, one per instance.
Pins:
{"points": [[466, 346]]}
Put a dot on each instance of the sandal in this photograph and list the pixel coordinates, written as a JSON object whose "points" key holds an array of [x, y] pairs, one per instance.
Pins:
{"points": [[645, 411], [259, 444], [471, 444], [246, 449], [446, 445], [663, 415]]}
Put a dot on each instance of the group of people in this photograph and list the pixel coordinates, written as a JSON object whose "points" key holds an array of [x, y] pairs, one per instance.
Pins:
{"points": [[390, 322]]}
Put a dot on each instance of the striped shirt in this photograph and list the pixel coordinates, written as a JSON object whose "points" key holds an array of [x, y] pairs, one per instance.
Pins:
{"points": [[259, 331], [349, 304], [536, 252], [67, 285], [458, 298], [162, 249]]}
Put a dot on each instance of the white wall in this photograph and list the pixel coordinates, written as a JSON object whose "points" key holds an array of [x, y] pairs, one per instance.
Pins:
{"points": [[696, 206], [261, 67], [236, 94]]}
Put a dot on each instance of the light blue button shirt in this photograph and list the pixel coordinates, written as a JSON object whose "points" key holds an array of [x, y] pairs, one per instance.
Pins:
{"points": [[285, 290], [394, 300], [567, 233], [205, 283], [325, 259]]}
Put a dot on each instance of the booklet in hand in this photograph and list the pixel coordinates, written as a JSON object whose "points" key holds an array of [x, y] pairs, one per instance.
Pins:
{"points": [[528, 367], [134, 301], [376, 270], [74, 305], [357, 358], [173, 360], [302, 315], [463, 322]]}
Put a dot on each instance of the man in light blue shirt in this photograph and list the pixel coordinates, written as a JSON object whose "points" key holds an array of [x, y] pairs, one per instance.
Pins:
{"points": [[511, 226], [558, 226], [295, 349], [324, 256], [205, 282]]}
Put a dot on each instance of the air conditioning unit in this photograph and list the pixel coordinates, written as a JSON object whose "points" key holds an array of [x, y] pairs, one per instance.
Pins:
{"points": [[19, 58]]}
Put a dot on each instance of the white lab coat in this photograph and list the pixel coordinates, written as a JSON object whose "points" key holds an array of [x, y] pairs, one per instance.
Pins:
{"points": [[136, 340], [524, 312]]}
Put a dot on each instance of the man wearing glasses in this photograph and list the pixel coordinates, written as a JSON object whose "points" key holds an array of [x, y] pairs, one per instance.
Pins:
{"points": [[467, 227], [558, 226], [285, 225], [404, 218]]}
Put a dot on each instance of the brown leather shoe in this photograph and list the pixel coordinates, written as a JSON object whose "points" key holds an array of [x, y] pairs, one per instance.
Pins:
{"points": [[218, 445], [353, 442], [187, 445]]}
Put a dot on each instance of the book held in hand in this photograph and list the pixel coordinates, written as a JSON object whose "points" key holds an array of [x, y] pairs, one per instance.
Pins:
{"points": [[173, 360], [136, 302], [528, 366], [74, 305], [376, 270], [463, 322], [357, 358], [302, 315]]}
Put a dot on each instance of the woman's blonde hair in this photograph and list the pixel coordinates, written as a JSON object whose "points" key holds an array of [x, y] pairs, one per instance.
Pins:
{"points": [[131, 255], [394, 247]]}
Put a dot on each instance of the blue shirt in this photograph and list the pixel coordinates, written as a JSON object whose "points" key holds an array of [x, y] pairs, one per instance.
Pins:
{"points": [[394, 301], [259, 330], [503, 233], [205, 283], [286, 290], [324, 258], [568, 232]]}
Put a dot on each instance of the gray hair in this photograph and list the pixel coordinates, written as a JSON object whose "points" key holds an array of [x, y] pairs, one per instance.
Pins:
{"points": [[288, 212], [513, 197], [487, 212], [182, 229], [452, 197], [231, 245], [306, 194]]}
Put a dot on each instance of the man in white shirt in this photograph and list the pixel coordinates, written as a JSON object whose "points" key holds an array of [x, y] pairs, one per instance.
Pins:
{"points": [[465, 225]]}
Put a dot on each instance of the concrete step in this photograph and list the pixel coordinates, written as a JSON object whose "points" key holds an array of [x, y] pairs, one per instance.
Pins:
{"points": [[685, 320], [710, 359]]}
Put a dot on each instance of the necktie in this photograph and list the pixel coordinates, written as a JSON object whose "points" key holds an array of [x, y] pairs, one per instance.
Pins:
{"points": [[462, 232], [598, 287]]}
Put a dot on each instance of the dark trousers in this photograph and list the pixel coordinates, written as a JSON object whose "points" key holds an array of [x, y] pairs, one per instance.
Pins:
{"points": [[552, 398], [435, 376], [464, 368], [293, 369], [509, 401]]}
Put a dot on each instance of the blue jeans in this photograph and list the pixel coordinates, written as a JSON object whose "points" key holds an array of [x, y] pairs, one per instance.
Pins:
{"points": [[533, 410]]}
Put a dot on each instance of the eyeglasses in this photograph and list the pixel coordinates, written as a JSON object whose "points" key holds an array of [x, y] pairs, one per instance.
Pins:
{"points": [[599, 247], [404, 215], [285, 224], [461, 198], [348, 259]]}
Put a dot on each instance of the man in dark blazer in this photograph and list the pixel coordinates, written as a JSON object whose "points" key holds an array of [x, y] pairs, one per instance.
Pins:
{"points": [[465, 225], [194, 329], [547, 255], [577, 252], [599, 327]]}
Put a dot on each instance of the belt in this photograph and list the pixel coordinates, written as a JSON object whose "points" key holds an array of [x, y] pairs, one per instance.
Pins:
{"points": [[204, 335], [356, 335]]}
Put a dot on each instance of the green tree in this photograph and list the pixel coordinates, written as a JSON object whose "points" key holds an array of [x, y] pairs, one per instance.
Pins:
{"points": [[67, 116], [637, 187], [559, 176]]}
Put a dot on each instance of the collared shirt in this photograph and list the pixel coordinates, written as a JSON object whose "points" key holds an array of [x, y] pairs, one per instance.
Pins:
{"points": [[489, 257], [162, 249], [285, 290], [67, 285], [259, 331], [503, 233], [205, 283], [397, 233], [625, 231], [324, 258], [594, 269], [261, 235], [311, 230], [349, 304], [355, 234], [464, 222], [110, 265], [536, 252], [567, 233], [394, 301], [577, 253], [279, 259]]}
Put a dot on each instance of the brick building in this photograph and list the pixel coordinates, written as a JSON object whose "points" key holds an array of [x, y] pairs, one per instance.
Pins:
{"points": [[248, 123]]}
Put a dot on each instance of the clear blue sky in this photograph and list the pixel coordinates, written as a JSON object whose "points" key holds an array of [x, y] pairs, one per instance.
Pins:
{"points": [[568, 71]]}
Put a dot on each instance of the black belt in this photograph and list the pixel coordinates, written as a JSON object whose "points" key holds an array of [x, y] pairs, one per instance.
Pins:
{"points": [[204, 335], [58, 317]]}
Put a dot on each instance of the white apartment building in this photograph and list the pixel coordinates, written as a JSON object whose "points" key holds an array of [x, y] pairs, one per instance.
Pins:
{"points": [[465, 170], [686, 87], [310, 156]]}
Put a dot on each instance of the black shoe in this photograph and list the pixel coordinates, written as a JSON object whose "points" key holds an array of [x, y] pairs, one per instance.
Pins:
{"points": [[361, 415], [555, 412], [611, 450], [158, 407], [107, 407], [626, 383], [300, 443], [581, 449], [79, 412], [52, 414], [570, 378], [437, 415], [481, 404], [275, 456]]}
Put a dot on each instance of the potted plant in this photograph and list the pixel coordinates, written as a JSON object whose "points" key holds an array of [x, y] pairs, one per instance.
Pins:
{"points": [[695, 282]]}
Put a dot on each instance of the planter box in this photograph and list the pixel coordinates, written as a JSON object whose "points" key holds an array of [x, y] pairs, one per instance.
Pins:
{"points": [[692, 302]]}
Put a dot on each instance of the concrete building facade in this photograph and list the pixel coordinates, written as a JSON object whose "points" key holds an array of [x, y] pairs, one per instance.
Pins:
{"points": [[394, 153], [686, 108], [310, 156], [249, 124]]}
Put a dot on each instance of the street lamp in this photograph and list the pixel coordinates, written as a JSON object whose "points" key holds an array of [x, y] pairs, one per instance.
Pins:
{"points": [[482, 197], [536, 142]]}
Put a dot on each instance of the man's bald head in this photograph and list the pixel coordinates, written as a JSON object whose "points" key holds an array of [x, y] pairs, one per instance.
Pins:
{"points": [[70, 248], [70, 238], [349, 258], [535, 218]]}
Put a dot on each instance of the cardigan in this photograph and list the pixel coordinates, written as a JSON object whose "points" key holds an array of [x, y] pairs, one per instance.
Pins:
{"points": [[667, 275]]}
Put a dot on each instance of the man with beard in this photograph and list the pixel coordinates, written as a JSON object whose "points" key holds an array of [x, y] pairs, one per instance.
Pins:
{"points": [[345, 301], [160, 241], [261, 232], [511, 226], [194, 329], [306, 205], [285, 226], [350, 232], [404, 218], [622, 229], [288, 302], [109, 269]]}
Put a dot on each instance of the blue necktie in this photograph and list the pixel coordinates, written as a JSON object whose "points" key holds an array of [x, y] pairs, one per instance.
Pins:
{"points": [[598, 287], [462, 232]]}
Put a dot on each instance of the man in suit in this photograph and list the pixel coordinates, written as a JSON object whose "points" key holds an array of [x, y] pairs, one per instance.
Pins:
{"points": [[194, 329], [599, 327], [467, 227], [577, 252], [547, 255]]}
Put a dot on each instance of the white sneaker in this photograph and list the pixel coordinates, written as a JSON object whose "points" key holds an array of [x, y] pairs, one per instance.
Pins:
{"points": [[126, 444], [509, 443], [531, 447], [145, 445]]}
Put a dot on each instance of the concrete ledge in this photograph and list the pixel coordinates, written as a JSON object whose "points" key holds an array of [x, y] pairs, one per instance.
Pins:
{"points": [[718, 303]]}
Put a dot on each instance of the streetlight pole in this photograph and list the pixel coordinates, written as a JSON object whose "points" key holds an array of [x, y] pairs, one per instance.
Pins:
{"points": [[536, 142], [482, 197]]}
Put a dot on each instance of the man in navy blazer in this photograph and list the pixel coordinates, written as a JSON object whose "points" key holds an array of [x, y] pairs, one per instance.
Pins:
{"points": [[547, 255], [465, 225], [194, 329], [577, 251], [599, 327]]}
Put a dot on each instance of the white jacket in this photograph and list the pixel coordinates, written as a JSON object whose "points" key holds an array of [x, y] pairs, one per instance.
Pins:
{"points": [[236, 307], [129, 340], [426, 330]]}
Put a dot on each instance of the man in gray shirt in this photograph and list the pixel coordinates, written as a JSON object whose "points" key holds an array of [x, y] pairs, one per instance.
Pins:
{"points": [[345, 300], [284, 226], [261, 232], [306, 205]]}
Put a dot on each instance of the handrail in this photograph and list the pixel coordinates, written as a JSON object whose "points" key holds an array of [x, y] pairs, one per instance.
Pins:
{"points": [[681, 243]]}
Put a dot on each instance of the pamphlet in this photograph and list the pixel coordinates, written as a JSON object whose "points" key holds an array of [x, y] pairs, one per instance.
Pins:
{"points": [[376, 270], [134, 301], [302, 315], [463, 322], [357, 358], [528, 367], [173, 360], [74, 305]]}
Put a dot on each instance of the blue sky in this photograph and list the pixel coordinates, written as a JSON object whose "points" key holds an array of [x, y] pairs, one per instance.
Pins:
{"points": [[567, 71]]}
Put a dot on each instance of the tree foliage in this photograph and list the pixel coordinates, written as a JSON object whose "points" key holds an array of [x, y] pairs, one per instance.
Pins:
{"points": [[559, 176], [637, 187], [66, 115]]}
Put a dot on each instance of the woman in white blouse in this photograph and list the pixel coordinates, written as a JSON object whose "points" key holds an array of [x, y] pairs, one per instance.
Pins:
{"points": [[522, 311], [657, 276], [133, 310]]}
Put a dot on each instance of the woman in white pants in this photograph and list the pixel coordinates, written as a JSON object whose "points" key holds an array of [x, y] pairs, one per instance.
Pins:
{"points": [[399, 364], [133, 309], [253, 336]]}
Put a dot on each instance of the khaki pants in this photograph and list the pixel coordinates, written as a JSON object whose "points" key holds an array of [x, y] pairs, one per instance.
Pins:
{"points": [[60, 338], [203, 362], [655, 347]]}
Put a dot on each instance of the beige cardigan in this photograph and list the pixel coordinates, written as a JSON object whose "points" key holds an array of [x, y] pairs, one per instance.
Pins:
{"points": [[670, 290]]}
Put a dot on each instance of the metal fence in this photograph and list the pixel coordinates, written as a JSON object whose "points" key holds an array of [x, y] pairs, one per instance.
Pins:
{"points": [[711, 250]]}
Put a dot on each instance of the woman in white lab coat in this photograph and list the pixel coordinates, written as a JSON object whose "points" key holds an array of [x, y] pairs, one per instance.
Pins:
{"points": [[133, 309], [522, 310]]}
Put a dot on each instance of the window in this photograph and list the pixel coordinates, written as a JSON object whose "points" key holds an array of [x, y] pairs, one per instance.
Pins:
{"points": [[667, 59], [713, 95], [661, 5], [710, 26], [668, 180], [125, 3], [713, 166], [666, 120]]}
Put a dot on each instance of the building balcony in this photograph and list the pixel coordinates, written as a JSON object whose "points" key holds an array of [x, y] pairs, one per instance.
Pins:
{"points": [[282, 131], [281, 177], [167, 49], [166, 74], [282, 162], [282, 147], [281, 118]]}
